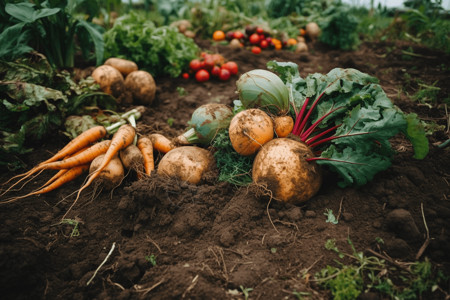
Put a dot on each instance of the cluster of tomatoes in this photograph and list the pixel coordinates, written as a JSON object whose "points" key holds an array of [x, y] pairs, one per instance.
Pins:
{"points": [[211, 65], [254, 36]]}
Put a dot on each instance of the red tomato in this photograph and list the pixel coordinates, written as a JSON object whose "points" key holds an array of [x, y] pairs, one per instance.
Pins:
{"points": [[259, 30], [202, 75], [269, 39], [195, 65], [185, 75], [264, 44], [215, 71], [262, 37], [224, 74], [209, 62], [238, 35], [254, 39], [256, 50], [231, 66]]}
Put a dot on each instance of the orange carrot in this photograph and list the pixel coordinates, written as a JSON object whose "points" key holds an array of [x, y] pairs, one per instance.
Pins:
{"points": [[83, 140], [82, 158], [70, 175], [62, 171], [145, 145], [120, 140], [161, 143], [88, 137]]}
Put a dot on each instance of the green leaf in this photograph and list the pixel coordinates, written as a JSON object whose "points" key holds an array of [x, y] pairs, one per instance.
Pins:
{"points": [[25, 12], [97, 38], [354, 166], [14, 42], [416, 134]]}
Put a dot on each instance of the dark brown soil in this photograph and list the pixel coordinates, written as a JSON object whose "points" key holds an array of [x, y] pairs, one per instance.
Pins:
{"points": [[211, 239]]}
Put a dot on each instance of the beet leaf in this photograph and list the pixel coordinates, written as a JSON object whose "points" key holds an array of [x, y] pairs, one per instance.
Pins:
{"points": [[354, 139]]}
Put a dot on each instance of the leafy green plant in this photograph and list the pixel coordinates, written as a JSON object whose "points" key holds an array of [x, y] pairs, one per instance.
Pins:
{"points": [[30, 26], [348, 281], [151, 259], [234, 168], [330, 216], [339, 28], [158, 50], [34, 102], [246, 291]]}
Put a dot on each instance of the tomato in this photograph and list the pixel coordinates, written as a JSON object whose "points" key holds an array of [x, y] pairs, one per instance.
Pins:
{"points": [[254, 39], [264, 44], [215, 71], [224, 74], [185, 75], [238, 35], [202, 75], [231, 66], [218, 35], [209, 62], [256, 50], [195, 65], [230, 35], [269, 39], [259, 30]]}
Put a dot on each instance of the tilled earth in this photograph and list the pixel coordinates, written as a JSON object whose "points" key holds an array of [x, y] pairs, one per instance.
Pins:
{"points": [[173, 240]]}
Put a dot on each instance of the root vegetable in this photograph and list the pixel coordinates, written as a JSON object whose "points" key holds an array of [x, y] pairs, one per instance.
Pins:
{"points": [[187, 163], [249, 130], [124, 66], [145, 145], [312, 30], [161, 143], [281, 165], [283, 125], [301, 47], [110, 80], [111, 175], [132, 158], [142, 87]]}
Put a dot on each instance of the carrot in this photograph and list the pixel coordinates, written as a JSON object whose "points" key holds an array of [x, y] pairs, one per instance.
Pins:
{"points": [[62, 171], [83, 140], [82, 158], [145, 145], [283, 125], [120, 140], [161, 143], [69, 175]]}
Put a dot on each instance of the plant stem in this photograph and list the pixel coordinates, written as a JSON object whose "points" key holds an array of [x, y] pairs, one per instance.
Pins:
{"points": [[300, 117], [308, 132], [316, 137]]}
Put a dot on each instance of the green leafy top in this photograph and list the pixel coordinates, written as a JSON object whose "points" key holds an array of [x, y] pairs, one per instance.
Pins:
{"points": [[159, 50], [363, 118]]}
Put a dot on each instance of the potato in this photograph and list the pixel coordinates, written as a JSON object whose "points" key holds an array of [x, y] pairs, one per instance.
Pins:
{"points": [[124, 66], [312, 30], [142, 87], [111, 176], [301, 47], [110, 80], [282, 167], [187, 163]]}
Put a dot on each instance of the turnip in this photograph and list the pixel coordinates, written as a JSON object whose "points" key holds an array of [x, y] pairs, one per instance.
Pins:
{"points": [[249, 130], [281, 165], [186, 163]]}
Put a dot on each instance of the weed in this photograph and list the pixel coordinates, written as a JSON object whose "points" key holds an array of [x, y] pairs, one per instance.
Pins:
{"points": [[181, 91], [246, 291], [170, 121], [372, 273], [300, 295], [330, 217], [74, 223], [427, 94], [151, 259]]}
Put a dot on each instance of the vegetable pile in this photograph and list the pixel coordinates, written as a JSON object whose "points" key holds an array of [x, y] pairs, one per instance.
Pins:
{"points": [[211, 66], [281, 135], [257, 38]]}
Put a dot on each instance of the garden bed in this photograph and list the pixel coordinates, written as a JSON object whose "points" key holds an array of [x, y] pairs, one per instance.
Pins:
{"points": [[173, 240]]}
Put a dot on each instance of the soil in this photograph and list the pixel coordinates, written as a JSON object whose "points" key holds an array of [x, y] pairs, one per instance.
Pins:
{"points": [[215, 240]]}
